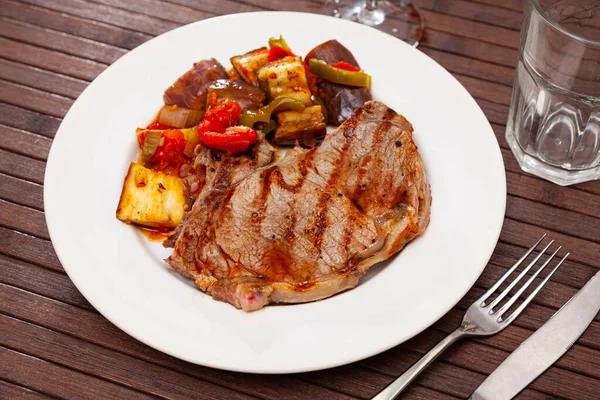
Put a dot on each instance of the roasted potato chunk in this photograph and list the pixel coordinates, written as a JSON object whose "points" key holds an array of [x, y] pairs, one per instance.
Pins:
{"points": [[247, 65], [304, 127], [151, 198], [285, 77]]}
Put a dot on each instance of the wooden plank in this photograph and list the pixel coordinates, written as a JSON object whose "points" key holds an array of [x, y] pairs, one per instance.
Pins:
{"points": [[109, 15], [40, 280], [496, 113], [21, 192], [58, 381], [50, 60], [538, 190], [93, 30], [114, 367], [524, 235], [27, 120], [488, 91], [516, 5], [59, 41], [475, 12], [22, 167], [160, 9], [367, 383], [25, 143], [590, 187], [23, 219], [566, 222], [221, 7], [94, 328], [34, 99], [12, 391], [40, 79], [471, 67], [28, 248], [469, 47]]}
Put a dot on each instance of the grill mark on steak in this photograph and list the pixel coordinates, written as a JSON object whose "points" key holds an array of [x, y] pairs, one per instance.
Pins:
{"points": [[321, 220], [348, 233], [367, 160], [265, 191]]}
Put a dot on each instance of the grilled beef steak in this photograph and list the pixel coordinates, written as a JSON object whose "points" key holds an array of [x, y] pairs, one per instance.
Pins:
{"points": [[312, 224]]}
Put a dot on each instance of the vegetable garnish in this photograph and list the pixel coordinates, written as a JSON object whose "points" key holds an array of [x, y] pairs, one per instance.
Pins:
{"points": [[235, 139], [162, 148], [263, 114], [339, 75], [218, 130], [277, 53], [157, 126], [150, 140], [346, 66], [279, 41]]}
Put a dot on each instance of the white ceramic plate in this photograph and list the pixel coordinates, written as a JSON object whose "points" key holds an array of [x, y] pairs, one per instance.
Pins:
{"points": [[124, 277]]}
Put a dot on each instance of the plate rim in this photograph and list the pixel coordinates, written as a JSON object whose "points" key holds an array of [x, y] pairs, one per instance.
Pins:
{"points": [[61, 251]]}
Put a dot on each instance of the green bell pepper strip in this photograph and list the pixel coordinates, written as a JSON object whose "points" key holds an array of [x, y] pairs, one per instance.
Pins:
{"points": [[263, 114], [279, 41], [338, 75]]}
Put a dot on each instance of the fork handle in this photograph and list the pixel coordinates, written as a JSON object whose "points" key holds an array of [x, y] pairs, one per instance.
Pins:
{"points": [[394, 388]]}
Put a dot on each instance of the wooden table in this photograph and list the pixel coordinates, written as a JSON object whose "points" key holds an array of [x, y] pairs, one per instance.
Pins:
{"points": [[54, 344]]}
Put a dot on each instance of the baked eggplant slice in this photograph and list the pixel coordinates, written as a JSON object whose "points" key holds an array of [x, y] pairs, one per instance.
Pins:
{"points": [[305, 127], [285, 77], [247, 65]]}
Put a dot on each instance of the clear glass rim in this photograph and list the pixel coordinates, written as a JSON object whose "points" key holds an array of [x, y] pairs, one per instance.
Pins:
{"points": [[536, 6]]}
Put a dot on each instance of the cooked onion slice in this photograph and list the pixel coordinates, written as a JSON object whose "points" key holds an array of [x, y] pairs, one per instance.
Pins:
{"points": [[179, 117]]}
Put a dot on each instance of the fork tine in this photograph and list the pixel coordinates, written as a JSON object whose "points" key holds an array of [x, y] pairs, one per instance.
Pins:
{"points": [[534, 293], [512, 300], [496, 285], [518, 279]]}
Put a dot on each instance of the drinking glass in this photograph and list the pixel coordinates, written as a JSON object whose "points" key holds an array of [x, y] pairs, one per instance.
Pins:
{"points": [[553, 125], [399, 18]]}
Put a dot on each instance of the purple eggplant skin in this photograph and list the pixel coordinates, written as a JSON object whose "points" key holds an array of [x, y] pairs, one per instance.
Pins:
{"points": [[190, 89], [340, 100], [249, 97]]}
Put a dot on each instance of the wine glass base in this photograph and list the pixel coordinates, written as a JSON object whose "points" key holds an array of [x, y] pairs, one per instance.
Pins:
{"points": [[399, 18]]}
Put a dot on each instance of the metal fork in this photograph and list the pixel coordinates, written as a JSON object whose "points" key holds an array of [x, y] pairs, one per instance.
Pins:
{"points": [[481, 319]]}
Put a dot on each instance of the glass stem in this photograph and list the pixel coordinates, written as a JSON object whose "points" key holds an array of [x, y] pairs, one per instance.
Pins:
{"points": [[371, 5]]}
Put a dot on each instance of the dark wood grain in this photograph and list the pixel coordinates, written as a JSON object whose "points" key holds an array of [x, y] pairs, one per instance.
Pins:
{"points": [[58, 381], [20, 191], [81, 27], [12, 391], [40, 79], [61, 42], [50, 60], [54, 344], [22, 167]]}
